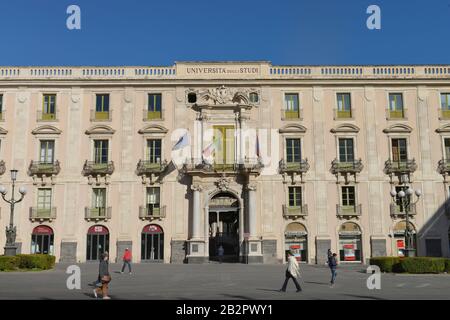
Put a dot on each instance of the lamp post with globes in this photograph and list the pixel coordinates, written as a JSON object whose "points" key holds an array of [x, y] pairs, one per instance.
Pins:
{"points": [[10, 247], [405, 199]]}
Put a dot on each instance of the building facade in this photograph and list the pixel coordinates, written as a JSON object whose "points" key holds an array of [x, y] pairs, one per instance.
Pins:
{"points": [[176, 162]]}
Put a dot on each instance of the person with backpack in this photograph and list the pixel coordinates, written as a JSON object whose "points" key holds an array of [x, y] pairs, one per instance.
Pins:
{"points": [[104, 276], [126, 260], [332, 263], [292, 272]]}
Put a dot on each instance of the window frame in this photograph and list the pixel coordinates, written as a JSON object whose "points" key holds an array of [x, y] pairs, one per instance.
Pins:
{"points": [[300, 199], [41, 141]]}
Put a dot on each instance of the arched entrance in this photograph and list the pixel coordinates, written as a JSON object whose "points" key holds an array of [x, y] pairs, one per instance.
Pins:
{"points": [[399, 237], [152, 244], [97, 242], [350, 244], [42, 240], [224, 227], [296, 240]]}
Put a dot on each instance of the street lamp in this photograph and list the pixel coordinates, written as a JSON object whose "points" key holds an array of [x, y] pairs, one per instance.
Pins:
{"points": [[10, 247], [405, 199]]}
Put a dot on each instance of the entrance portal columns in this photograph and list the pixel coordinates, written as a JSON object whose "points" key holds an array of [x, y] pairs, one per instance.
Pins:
{"points": [[197, 244], [253, 248]]}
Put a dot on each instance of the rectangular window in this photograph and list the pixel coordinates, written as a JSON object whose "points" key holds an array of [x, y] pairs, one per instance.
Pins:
{"points": [[1, 104], [447, 148], [101, 151], [49, 107], [396, 109], [154, 150], [348, 196], [222, 147], [346, 150], [295, 197], [344, 105], [153, 197], [399, 150], [47, 151], [445, 101], [154, 106], [102, 103], [44, 199], [291, 105], [293, 150], [99, 198]]}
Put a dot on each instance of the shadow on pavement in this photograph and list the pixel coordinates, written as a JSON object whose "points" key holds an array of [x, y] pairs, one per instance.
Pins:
{"points": [[364, 297], [270, 290], [237, 297]]}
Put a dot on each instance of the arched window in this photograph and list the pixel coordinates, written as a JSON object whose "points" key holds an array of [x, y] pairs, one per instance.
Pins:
{"points": [[350, 244], [296, 241], [42, 240], [97, 242], [152, 243]]}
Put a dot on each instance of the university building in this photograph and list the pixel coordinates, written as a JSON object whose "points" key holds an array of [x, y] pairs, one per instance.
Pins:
{"points": [[176, 162]]}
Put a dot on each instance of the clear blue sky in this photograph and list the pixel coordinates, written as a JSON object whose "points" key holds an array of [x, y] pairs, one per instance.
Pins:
{"points": [[150, 32]]}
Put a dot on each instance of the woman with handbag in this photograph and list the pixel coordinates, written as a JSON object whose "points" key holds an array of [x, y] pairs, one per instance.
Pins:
{"points": [[292, 272], [104, 276]]}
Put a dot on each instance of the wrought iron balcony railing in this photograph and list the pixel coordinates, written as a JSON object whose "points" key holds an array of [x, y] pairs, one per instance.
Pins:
{"points": [[101, 213], [93, 168], [290, 167], [348, 211], [151, 167], [405, 166], [295, 212], [149, 212], [355, 166], [247, 166], [399, 210], [47, 168], [42, 214]]}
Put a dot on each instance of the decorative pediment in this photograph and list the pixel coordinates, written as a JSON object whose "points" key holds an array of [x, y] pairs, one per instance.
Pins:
{"points": [[398, 128], [3, 131], [444, 129], [46, 130], [223, 96], [293, 128], [100, 129], [153, 129], [345, 128]]}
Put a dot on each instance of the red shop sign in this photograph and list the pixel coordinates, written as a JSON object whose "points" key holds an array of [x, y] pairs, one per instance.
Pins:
{"points": [[98, 230], [43, 230], [152, 228]]}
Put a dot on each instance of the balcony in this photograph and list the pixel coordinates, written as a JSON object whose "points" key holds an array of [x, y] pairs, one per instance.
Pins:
{"points": [[44, 168], [444, 166], [348, 211], [294, 167], [444, 114], [346, 167], [400, 167], [290, 114], [39, 214], [91, 168], [396, 114], [295, 212], [46, 116], [151, 213], [399, 211], [248, 166], [152, 115], [97, 214], [101, 115], [146, 167]]}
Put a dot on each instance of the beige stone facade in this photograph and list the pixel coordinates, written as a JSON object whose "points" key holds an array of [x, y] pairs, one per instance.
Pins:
{"points": [[313, 155]]}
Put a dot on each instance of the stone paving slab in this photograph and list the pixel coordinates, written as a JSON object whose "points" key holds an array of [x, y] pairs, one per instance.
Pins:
{"points": [[221, 282]]}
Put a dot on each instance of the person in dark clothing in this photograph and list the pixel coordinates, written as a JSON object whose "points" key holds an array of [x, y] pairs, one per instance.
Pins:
{"points": [[292, 272], [104, 276], [332, 263]]}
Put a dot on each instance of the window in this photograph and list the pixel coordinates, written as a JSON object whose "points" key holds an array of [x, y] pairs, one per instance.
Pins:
{"points": [[154, 106], [396, 105], [254, 98], [49, 107], [154, 150], [293, 150], [399, 150], [153, 199], [346, 151], [101, 151], [447, 148], [1, 106], [348, 196], [192, 98], [291, 106], [44, 200], [102, 107], [445, 105], [47, 151], [99, 198], [344, 105], [295, 197], [222, 147]]}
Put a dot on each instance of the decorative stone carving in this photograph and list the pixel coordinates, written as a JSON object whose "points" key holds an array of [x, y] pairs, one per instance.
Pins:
{"points": [[223, 95], [196, 187], [223, 183]]}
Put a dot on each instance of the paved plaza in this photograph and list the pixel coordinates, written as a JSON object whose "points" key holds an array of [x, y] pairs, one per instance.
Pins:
{"points": [[221, 282]]}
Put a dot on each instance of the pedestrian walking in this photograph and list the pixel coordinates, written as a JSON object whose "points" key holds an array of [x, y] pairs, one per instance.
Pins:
{"points": [[332, 263], [292, 272], [220, 253], [104, 276], [126, 260]]}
